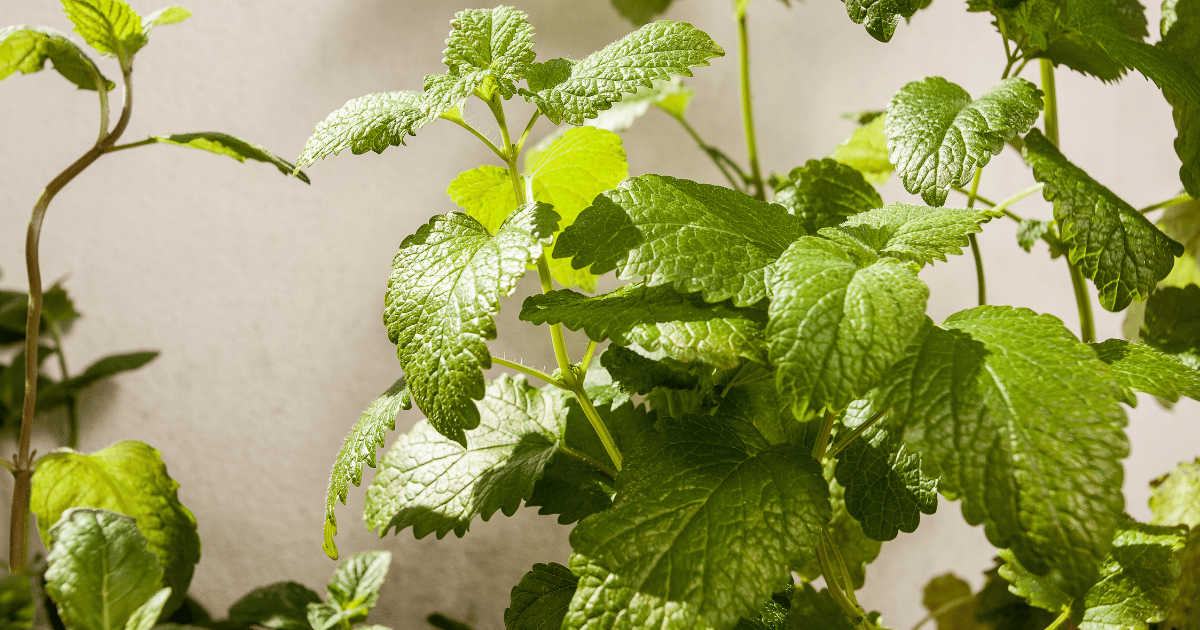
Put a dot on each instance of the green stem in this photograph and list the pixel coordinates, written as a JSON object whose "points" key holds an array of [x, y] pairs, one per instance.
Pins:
{"points": [[1003, 205], [588, 460], [981, 198], [1050, 114], [1083, 301], [587, 358], [713, 154], [72, 399], [836, 582], [475, 132], [818, 452], [131, 145], [1062, 618], [980, 281], [943, 609], [1184, 198], [756, 179], [593, 417], [528, 128], [534, 372], [844, 442]]}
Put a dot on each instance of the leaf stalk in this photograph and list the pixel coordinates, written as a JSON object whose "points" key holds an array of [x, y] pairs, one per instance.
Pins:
{"points": [[756, 179], [980, 281]]}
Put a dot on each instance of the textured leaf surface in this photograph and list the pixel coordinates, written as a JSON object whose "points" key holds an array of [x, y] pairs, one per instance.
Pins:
{"points": [[1018, 419], [1113, 244], [823, 193], [1176, 496], [574, 91], [881, 16], [280, 606], [540, 600], [694, 498], [920, 234], [937, 136], [606, 601], [866, 151], [231, 146], [494, 44], [885, 488], [129, 478], [447, 281], [1181, 36], [100, 570], [26, 49], [697, 237], [437, 485], [639, 375], [370, 123], [837, 323], [1173, 322], [670, 95], [485, 194], [856, 548], [146, 616], [682, 326], [1142, 368], [109, 26], [354, 586]]}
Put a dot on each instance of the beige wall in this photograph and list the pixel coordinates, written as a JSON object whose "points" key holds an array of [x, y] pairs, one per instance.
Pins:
{"points": [[264, 295]]}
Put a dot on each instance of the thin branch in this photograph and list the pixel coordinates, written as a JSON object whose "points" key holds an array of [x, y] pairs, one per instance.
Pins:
{"points": [[534, 372], [844, 442], [1174, 201], [475, 132]]}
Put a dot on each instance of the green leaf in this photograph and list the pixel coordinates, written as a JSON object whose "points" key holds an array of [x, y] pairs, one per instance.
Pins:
{"points": [[1030, 231], [372, 123], [55, 394], [1020, 420], [915, 233], [837, 322], [856, 548], [819, 611], [1176, 496], [607, 601], [1173, 322], [823, 193], [948, 600], [165, 15], [279, 606], [356, 582], [885, 489], [231, 146], [772, 616], [26, 49], [1113, 244], [698, 237], [485, 194], [881, 16], [327, 616], [495, 44], [574, 91], [437, 485], [999, 609], [638, 375], [109, 26], [1181, 36], [442, 622], [681, 510], [1136, 585], [146, 616], [16, 603], [1142, 368], [57, 306], [1184, 614], [368, 434], [100, 569], [129, 478], [447, 281], [540, 600], [640, 11], [937, 136], [670, 95], [658, 319], [865, 150]]}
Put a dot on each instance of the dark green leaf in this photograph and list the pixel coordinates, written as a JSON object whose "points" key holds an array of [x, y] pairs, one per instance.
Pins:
{"points": [[855, 547], [937, 136], [110, 366], [1144, 369], [916, 233], [772, 616], [1181, 36], [442, 622], [1173, 322], [640, 11], [231, 146], [1113, 244], [26, 49], [948, 600], [697, 237], [812, 610], [16, 603], [280, 606], [447, 281], [574, 91], [490, 44], [881, 16], [999, 609], [637, 374], [838, 320], [823, 193], [540, 600], [57, 306], [368, 434], [681, 509]]}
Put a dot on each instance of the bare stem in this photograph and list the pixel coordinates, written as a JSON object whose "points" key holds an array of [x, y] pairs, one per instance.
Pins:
{"points": [[534, 372], [1050, 114], [844, 442], [980, 281], [1083, 301], [756, 179], [718, 157], [818, 452]]}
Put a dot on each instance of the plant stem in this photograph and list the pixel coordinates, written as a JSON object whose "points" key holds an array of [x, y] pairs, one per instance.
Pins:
{"points": [[534, 372], [748, 110], [980, 282], [981, 198], [131, 145], [588, 460], [587, 358], [23, 473], [1184, 198], [716, 155], [1003, 205], [593, 417], [475, 132], [943, 609], [823, 439], [1083, 301], [72, 400], [1050, 114], [844, 442], [528, 128], [1066, 613]]}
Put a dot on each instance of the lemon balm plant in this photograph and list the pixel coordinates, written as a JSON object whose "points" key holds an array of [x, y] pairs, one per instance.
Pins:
{"points": [[773, 401]]}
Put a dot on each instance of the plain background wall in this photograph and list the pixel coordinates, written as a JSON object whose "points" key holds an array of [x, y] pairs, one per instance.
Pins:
{"points": [[265, 295]]}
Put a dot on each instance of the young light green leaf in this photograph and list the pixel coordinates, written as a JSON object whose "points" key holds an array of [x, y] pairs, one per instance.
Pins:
{"points": [[100, 570], [914, 233], [1141, 368], [279, 606], [670, 95], [838, 321], [885, 488], [574, 91], [371, 123], [447, 281], [1113, 244], [367, 435], [109, 26], [680, 511], [16, 603], [146, 616], [1012, 414], [356, 582], [823, 193], [130, 478], [26, 49], [485, 194], [541, 598], [495, 44], [881, 16], [638, 375], [437, 485], [697, 237], [865, 150], [232, 146], [1181, 36], [163, 16], [658, 319], [998, 609], [1176, 496], [937, 136]]}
